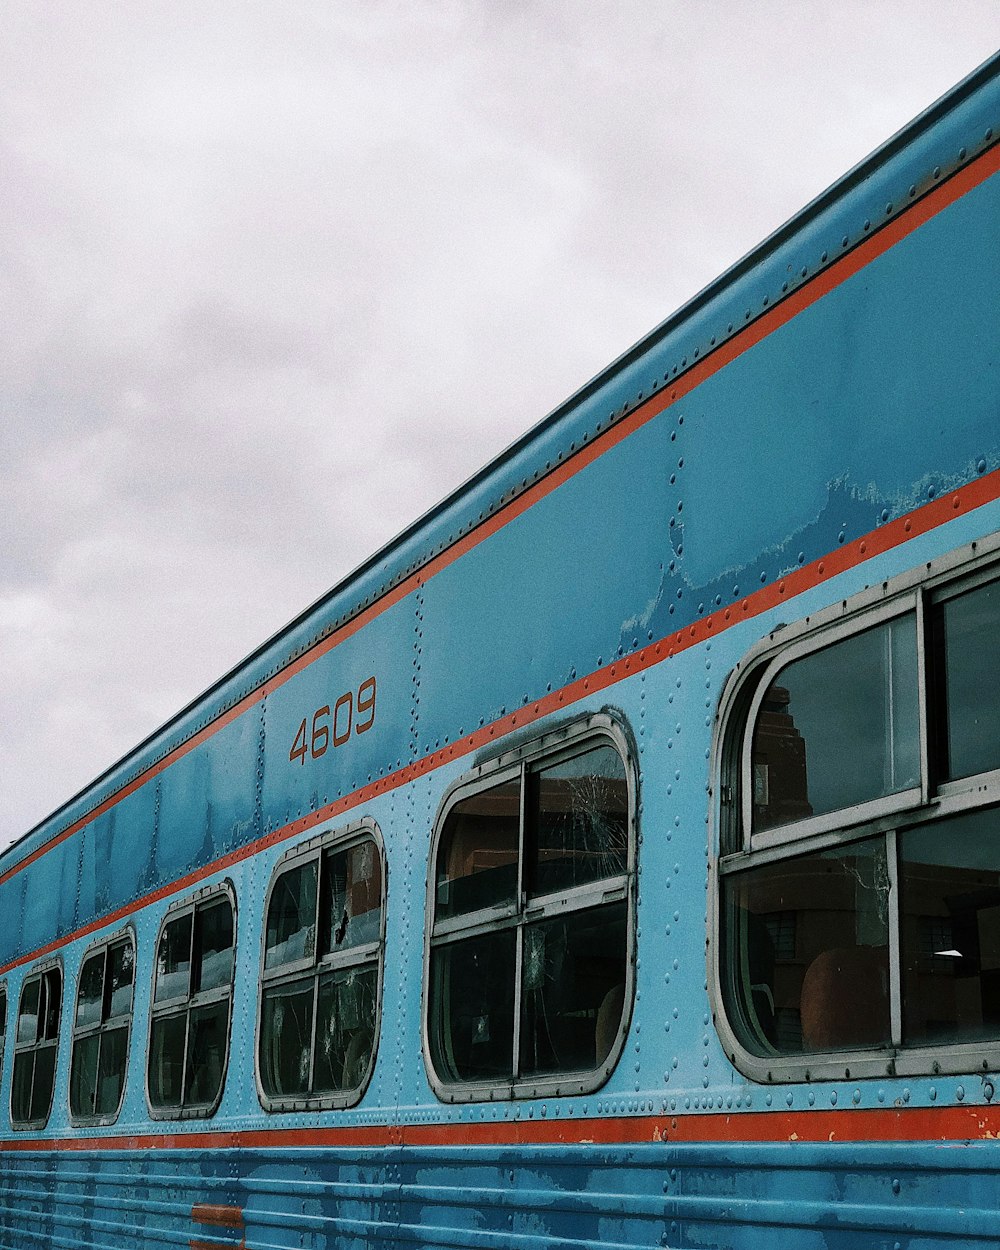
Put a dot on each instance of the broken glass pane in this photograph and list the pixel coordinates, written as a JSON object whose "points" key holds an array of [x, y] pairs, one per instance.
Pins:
{"points": [[579, 820], [474, 996], [286, 1039], [345, 1028], [121, 974], [291, 917], [352, 897], [573, 990]]}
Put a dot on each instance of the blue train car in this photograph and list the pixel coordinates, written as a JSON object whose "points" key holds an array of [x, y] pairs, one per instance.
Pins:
{"points": [[614, 858]]}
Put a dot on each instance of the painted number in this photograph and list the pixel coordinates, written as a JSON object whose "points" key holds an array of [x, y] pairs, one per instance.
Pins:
{"points": [[351, 712]]}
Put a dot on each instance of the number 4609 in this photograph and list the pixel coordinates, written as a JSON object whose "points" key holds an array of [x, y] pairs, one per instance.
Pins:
{"points": [[352, 713]]}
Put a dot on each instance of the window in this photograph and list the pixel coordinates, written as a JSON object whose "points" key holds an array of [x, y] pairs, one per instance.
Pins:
{"points": [[101, 1031], [36, 1043], [192, 1005], [859, 867], [322, 971], [530, 944]]}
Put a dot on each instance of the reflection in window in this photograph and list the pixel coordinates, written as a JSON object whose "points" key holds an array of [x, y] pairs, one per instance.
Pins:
{"points": [[835, 979], [192, 1006], [964, 631], [319, 1000], [950, 929], [101, 1032], [807, 932], [839, 727], [35, 1047], [529, 957]]}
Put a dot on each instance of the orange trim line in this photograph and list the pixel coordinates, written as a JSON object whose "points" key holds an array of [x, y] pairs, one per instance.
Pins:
{"points": [[887, 236], [959, 1123], [893, 534]]}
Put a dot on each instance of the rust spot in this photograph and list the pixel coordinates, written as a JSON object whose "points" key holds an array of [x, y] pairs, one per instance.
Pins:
{"points": [[217, 1215]]}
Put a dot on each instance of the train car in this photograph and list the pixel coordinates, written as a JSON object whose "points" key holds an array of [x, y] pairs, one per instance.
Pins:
{"points": [[613, 859]]}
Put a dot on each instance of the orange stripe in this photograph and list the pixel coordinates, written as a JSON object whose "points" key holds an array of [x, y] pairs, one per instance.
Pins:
{"points": [[948, 1124], [836, 273]]}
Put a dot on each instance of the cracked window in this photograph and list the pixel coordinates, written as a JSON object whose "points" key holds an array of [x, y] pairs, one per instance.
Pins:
{"points": [[319, 998], [192, 1006], [530, 932]]}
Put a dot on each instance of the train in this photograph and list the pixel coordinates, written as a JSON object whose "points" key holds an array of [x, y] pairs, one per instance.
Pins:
{"points": [[614, 857]]}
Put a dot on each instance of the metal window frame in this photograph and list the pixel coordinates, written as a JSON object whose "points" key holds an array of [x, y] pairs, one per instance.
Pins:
{"points": [[313, 969], [4, 1022], [177, 1006], [51, 964], [112, 1023], [919, 589], [565, 741]]}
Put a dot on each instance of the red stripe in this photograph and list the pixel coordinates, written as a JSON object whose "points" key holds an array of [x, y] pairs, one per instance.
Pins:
{"points": [[909, 220], [949, 1124]]}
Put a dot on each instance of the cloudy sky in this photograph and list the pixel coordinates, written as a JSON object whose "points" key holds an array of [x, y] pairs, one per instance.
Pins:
{"points": [[276, 277]]}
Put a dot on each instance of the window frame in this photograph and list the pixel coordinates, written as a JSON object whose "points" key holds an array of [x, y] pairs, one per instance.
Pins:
{"points": [[175, 1006], [313, 967], [919, 590], [38, 971], [563, 742], [103, 1026], [4, 1023]]}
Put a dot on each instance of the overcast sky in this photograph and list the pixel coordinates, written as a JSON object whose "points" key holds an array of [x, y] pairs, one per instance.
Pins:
{"points": [[276, 277]]}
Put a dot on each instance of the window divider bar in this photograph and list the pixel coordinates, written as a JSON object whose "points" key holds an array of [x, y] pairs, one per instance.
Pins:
{"points": [[895, 911], [923, 675]]}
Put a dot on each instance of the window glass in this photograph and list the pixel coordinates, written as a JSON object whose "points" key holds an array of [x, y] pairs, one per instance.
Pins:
{"points": [[950, 929], [3, 1020], [286, 1039], [839, 727], [214, 946], [965, 633], [473, 984], [352, 910], [101, 1032], [808, 943], [90, 993], [173, 960], [345, 1028], [478, 852], [573, 969], [580, 816], [319, 1000], [291, 917], [35, 1048], [537, 990], [189, 1030]]}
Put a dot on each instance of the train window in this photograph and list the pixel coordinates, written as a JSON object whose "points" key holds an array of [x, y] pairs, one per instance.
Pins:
{"points": [[529, 948], [192, 1005], [322, 971], [36, 1042], [3, 1021], [101, 1031], [859, 876]]}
